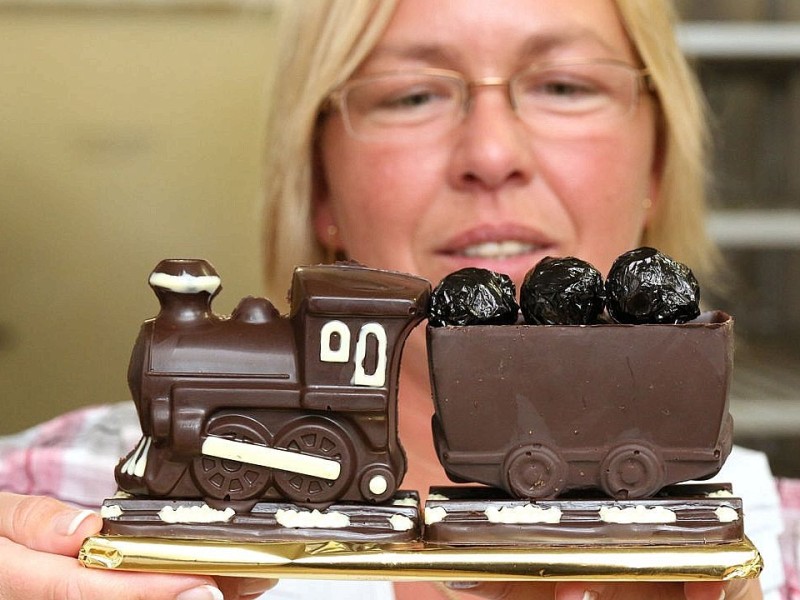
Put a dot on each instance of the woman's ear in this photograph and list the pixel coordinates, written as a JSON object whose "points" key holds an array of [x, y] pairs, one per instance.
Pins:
{"points": [[325, 228], [323, 219]]}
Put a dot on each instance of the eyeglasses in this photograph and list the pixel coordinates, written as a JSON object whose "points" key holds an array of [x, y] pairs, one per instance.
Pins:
{"points": [[564, 100]]}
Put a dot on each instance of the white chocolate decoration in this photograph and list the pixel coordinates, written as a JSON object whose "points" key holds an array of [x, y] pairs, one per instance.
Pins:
{"points": [[195, 514], [401, 523], [378, 485], [185, 283], [439, 497], [726, 514], [111, 512], [311, 519], [137, 462], [360, 376], [434, 514], [527, 513], [274, 458], [328, 354], [720, 494], [408, 501], [637, 514]]}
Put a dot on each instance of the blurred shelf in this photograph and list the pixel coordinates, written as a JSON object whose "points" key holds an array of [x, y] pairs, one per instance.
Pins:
{"points": [[741, 41], [765, 391], [747, 228]]}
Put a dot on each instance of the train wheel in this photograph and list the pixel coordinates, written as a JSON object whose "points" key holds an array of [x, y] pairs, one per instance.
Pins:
{"points": [[315, 437], [534, 472], [632, 471], [377, 483], [225, 479]]}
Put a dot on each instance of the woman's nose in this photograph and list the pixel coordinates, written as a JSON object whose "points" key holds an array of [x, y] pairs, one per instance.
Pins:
{"points": [[492, 147]]}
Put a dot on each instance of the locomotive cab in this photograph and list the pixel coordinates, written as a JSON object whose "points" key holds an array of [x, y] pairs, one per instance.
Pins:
{"points": [[351, 323]]}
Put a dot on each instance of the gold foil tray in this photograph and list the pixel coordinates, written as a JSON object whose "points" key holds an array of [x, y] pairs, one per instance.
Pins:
{"points": [[338, 560]]}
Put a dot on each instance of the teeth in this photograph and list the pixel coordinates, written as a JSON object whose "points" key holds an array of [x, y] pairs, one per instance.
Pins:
{"points": [[498, 249]]}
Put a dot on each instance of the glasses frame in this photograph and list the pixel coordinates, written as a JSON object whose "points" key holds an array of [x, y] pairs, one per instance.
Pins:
{"points": [[337, 99]]}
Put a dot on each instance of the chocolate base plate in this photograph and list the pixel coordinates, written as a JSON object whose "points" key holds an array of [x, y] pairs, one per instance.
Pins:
{"points": [[397, 521], [639, 557], [679, 515]]}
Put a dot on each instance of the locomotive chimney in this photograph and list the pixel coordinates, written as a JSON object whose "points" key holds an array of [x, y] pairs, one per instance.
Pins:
{"points": [[185, 289]]}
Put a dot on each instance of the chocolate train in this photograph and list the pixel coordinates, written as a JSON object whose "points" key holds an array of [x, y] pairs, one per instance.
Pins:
{"points": [[303, 408]]}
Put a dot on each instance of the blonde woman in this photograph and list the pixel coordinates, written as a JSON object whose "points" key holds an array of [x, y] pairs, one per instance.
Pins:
{"points": [[427, 135]]}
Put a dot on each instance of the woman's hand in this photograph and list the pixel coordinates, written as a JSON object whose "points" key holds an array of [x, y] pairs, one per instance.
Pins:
{"points": [[40, 538], [706, 590]]}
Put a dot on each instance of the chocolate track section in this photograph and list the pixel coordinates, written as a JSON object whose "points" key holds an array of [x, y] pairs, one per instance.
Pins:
{"points": [[367, 523], [696, 522]]}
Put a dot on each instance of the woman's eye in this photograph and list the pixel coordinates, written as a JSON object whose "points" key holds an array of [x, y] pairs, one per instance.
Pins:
{"points": [[568, 89], [408, 100]]}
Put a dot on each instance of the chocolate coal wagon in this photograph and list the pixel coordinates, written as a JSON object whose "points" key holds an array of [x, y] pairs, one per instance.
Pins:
{"points": [[539, 410]]}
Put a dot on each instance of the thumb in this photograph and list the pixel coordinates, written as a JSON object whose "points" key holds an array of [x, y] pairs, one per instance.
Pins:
{"points": [[45, 524]]}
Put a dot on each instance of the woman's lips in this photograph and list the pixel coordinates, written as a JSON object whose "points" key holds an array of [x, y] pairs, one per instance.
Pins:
{"points": [[498, 250], [496, 242], [512, 249]]}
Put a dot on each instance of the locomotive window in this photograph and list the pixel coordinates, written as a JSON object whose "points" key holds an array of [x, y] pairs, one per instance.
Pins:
{"points": [[334, 342], [361, 376]]}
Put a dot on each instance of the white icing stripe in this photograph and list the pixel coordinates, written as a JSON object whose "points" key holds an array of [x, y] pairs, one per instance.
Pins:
{"points": [[273, 458], [185, 283], [726, 514], [129, 467], [637, 514], [435, 514], [526, 513], [311, 519], [112, 511], [195, 514], [401, 523], [141, 462]]}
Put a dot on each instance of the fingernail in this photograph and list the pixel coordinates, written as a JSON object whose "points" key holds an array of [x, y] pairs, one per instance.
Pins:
{"points": [[460, 585], [722, 595], [68, 523], [204, 592], [591, 595]]}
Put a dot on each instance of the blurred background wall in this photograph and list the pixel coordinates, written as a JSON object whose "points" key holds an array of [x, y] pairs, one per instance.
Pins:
{"points": [[128, 133], [132, 131]]}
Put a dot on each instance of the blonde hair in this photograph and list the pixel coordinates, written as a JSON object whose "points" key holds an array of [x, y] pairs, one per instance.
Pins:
{"points": [[324, 41], [678, 225], [321, 43]]}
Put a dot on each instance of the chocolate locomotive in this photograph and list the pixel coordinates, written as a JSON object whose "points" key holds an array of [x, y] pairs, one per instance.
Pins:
{"points": [[260, 406]]}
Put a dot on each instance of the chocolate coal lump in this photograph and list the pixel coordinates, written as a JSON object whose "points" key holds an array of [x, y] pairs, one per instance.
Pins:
{"points": [[646, 286], [473, 296], [562, 291]]}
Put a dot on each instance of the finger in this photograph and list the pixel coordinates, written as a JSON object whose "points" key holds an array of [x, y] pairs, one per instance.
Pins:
{"points": [[26, 574], [619, 591], [507, 590], [45, 524], [244, 588], [739, 589], [704, 590]]}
